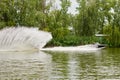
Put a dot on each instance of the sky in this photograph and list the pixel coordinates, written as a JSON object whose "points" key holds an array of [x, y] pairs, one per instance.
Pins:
{"points": [[71, 9]]}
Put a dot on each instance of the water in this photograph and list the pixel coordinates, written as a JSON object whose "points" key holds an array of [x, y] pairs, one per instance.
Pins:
{"points": [[100, 65], [25, 66], [23, 38]]}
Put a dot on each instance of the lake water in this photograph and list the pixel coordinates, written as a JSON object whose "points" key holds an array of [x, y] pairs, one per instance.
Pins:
{"points": [[99, 65]]}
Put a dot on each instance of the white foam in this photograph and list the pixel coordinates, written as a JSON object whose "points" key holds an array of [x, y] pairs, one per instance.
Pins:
{"points": [[73, 48]]}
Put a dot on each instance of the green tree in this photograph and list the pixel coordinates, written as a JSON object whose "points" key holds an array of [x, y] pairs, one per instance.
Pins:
{"points": [[59, 20], [87, 19], [114, 24], [92, 17], [23, 13]]}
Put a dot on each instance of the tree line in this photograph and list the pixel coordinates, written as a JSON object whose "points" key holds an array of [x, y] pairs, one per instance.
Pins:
{"points": [[94, 16]]}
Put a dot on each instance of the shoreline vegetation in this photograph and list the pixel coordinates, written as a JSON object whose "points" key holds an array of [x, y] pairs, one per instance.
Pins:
{"points": [[93, 16], [72, 41]]}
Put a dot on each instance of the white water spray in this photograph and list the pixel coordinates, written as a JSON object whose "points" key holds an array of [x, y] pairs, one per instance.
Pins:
{"points": [[23, 38]]}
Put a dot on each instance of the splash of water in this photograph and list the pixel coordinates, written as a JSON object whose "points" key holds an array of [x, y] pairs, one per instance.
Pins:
{"points": [[23, 38]]}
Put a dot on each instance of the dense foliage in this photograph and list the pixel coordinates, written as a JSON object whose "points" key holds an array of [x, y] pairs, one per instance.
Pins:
{"points": [[94, 16]]}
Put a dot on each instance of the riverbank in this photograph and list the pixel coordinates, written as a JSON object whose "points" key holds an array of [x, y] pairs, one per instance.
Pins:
{"points": [[72, 40]]}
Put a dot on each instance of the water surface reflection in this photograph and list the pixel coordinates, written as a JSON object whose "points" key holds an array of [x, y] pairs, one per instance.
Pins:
{"points": [[24, 66], [99, 65]]}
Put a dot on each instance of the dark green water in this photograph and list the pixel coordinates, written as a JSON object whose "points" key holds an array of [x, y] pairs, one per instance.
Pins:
{"points": [[99, 65]]}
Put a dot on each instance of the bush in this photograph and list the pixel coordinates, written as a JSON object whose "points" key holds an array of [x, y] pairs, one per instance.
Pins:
{"points": [[72, 40], [2, 24], [114, 36]]}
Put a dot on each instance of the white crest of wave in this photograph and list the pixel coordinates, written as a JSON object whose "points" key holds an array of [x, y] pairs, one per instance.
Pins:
{"points": [[23, 38]]}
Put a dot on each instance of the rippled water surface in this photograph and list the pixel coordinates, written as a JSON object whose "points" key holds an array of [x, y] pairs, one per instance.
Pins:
{"points": [[99, 65]]}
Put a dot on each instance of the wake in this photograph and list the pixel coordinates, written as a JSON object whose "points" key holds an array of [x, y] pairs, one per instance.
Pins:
{"points": [[23, 38]]}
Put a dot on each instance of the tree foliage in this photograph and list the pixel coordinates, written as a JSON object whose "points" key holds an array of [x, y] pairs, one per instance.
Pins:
{"points": [[94, 16]]}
